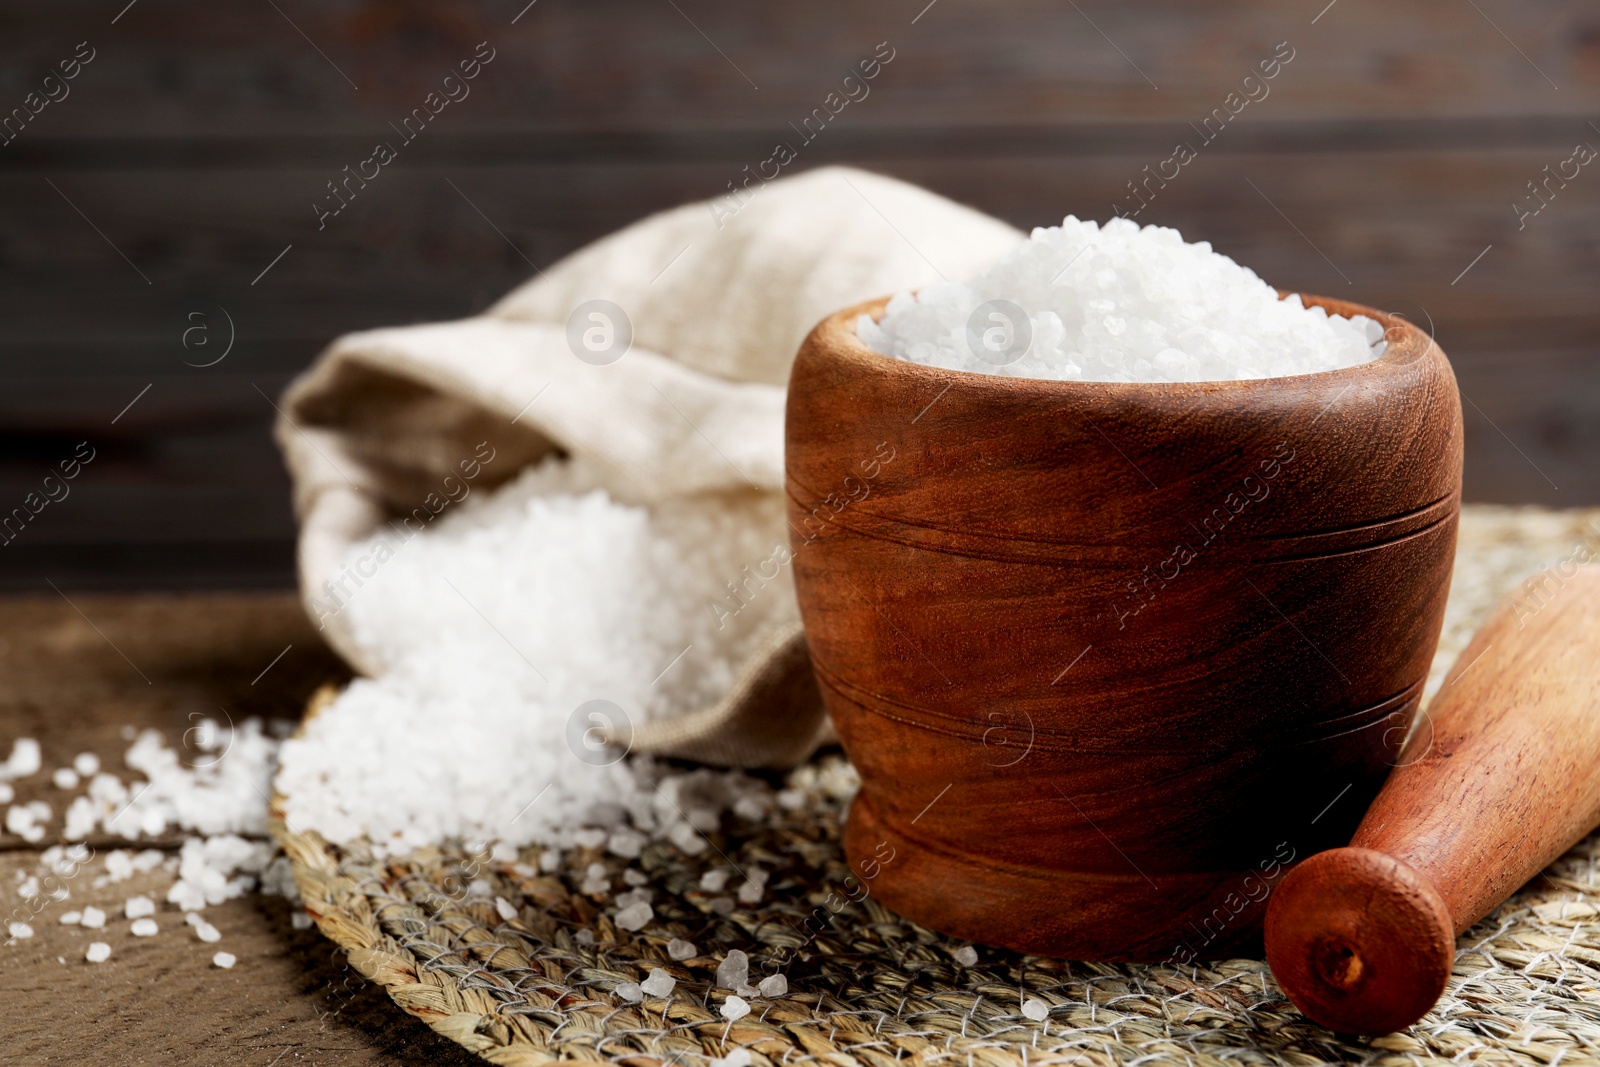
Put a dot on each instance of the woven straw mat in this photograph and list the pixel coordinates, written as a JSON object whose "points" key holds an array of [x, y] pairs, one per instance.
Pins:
{"points": [[873, 988]]}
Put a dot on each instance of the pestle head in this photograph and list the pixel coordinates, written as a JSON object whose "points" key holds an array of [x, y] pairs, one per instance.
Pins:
{"points": [[1360, 941]]}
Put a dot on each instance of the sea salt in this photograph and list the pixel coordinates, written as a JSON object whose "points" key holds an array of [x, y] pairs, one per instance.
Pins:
{"points": [[97, 952], [1120, 304], [70, 918], [206, 932], [1035, 1009], [659, 984], [225, 960], [967, 956], [635, 916], [25, 759], [87, 764], [631, 992], [144, 928], [735, 1008], [93, 918], [681, 950], [138, 907], [775, 985], [512, 631], [505, 908], [734, 970], [64, 778], [20, 931]]}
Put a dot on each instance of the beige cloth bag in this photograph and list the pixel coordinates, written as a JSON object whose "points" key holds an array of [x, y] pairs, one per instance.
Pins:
{"points": [[717, 306]]}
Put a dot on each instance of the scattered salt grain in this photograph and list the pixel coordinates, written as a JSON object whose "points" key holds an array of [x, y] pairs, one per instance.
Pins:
{"points": [[1036, 1009], [659, 984], [138, 907], [590, 838], [734, 970], [549, 861], [93, 918], [144, 928], [70, 918], [64, 778], [584, 936], [206, 932], [97, 952], [300, 920], [735, 1008], [87, 764], [635, 878], [722, 906], [626, 843], [1117, 303], [25, 759], [967, 956], [19, 931], [505, 909], [119, 865], [7, 794], [755, 884], [635, 916], [681, 950], [714, 881], [225, 960], [631, 992], [775, 985], [739, 1057]]}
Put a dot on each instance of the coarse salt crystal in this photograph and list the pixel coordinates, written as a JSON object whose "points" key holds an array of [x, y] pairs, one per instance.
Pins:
{"points": [[97, 952], [635, 916], [739, 1057], [20, 931], [734, 970], [206, 932], [505, 908], [735, 1008], [87, 764], [631, 992], [1036, 1009], [93, 918], [681, 950], [70, 918], [967, 956], [714, 881], [225, 960], [659, 984], [144, 928], [775, 985], [138, 907], [25, 759], [64, 778]]}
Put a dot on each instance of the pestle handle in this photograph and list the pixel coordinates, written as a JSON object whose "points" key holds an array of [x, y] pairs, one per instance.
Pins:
{"points": [[1499, 778]]}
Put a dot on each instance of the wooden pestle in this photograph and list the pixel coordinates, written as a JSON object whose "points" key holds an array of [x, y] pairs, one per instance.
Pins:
{"points": [[1499, 778]]}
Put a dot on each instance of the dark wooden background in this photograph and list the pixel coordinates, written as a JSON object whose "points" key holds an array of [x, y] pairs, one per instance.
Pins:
{"points": [[1392, 147]]}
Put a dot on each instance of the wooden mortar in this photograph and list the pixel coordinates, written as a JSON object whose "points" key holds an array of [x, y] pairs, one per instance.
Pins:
{"points": [[1110, 656]]}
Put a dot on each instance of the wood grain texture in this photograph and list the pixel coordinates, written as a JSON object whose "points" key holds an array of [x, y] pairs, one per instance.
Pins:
{"points": [[1498, 779], [1107, 619], [292, 997], [1391, 147]]}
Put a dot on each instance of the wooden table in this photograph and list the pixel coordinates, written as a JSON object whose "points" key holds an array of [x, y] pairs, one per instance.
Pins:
{"points": [[75, 675]]}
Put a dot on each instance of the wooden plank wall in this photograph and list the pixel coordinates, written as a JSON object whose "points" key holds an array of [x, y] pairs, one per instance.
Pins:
{"points": [[1385, 159]]}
